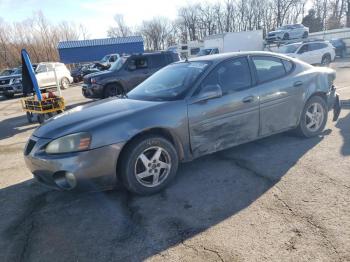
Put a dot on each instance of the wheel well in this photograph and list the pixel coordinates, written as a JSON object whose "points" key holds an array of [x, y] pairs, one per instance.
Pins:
{"points": [[155, 131], [111, 84], [320, 94]]}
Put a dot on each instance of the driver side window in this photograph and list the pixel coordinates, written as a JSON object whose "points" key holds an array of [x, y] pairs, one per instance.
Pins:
{"points": [[303, 49], [232, 75], [41, 69]]}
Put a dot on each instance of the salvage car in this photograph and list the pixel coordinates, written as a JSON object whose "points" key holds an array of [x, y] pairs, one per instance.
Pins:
{"points": [[186, 110], [126, 73], [340, 47]]}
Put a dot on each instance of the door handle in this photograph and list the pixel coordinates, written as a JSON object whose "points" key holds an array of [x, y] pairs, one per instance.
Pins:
{"points": [[298, 83], [248, 99]]}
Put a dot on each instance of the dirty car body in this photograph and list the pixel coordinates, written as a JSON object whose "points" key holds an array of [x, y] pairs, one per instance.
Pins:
{"points": [[264, 94]]}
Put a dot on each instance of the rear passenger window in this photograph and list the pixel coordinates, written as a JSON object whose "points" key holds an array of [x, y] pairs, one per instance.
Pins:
{"points": [[268, 68]]}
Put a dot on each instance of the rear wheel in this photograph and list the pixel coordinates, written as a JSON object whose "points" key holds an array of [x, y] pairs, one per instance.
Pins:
{"points": [[326, 60], [313, 118], [286, 36], [112, 90], [305, 35], [148, 165], [64, 83], [8, 96]]}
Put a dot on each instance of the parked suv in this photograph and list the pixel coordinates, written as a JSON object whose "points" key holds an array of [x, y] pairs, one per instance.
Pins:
{"points": [[287, 32], [11, 84], [126, 73], [316, 52]]}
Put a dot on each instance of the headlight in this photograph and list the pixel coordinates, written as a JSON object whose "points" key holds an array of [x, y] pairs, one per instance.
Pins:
{"points": [[70, 143], [17, 81]]}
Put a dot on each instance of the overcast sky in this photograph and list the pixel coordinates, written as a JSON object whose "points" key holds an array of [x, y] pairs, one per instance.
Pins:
{"points": [[95, 15]]}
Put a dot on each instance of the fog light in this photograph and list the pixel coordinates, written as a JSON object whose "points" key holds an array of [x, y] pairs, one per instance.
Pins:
{"points": [[65, 180]]}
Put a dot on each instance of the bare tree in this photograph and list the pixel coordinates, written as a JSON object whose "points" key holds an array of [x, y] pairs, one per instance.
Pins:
{"points": [[121, 29]]}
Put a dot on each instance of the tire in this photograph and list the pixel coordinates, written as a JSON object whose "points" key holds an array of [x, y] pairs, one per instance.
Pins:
{"points": [[286, 36], [305, 128], [305, 35], [343, 53], [137, 160], [112, 90], [29, 117], [64, 83], [40, 118], [326, 60], [9, 96]]}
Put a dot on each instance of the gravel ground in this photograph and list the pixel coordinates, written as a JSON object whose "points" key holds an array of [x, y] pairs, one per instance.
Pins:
{"points": [[281, 198]]}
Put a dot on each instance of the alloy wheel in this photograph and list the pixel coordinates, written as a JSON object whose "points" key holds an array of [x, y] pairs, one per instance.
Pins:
{"points": [[152, 166], [314, 117]]}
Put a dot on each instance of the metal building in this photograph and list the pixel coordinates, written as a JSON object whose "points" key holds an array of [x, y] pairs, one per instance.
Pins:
{"points": [[93, 50]]}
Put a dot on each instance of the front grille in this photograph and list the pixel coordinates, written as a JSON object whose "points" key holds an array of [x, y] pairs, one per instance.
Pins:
{"points": [[29, 147], [5, 82]]}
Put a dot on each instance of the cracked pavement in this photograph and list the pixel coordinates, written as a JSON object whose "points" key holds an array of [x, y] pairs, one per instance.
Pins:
{"points": [[282, 198]]}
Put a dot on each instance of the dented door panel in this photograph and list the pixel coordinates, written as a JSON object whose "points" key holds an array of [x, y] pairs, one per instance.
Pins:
{"points": [[223, 122]]}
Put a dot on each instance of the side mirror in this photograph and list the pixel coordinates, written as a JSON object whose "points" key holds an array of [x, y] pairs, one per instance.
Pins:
{"points": [[208, 92]]}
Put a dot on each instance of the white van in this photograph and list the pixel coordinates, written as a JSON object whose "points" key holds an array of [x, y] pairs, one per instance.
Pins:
{"points": [[45, 74]]}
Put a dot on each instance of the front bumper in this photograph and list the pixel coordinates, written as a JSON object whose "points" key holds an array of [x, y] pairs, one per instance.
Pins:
{"points": [[11, 89], [333, 101], [92, 91], [92, 170]]}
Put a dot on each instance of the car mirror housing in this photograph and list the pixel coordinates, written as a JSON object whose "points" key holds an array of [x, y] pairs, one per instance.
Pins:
{"points": [[208, 92]]}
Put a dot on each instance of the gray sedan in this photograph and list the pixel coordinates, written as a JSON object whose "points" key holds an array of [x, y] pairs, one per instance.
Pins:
{"points": [[184, 111]]}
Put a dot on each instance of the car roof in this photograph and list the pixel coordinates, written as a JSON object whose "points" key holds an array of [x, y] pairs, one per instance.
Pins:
{"points": [[223, 56]]}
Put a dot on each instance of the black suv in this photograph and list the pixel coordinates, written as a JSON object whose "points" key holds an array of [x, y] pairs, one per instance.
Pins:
{"points": [[125, 74]]}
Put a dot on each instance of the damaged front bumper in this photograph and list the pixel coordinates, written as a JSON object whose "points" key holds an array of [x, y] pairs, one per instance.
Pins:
{"points": [[334, 103]]}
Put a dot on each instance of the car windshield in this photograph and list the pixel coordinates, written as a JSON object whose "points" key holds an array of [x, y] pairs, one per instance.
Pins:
{"points": [[203, 52], [288, 49], [105, 59], [6, 72], [18, 71], [169, 83], [117, 64]]}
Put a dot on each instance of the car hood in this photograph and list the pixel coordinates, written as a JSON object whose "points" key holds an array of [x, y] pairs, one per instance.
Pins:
{"points": [[98, 74], [9, 77], [85, 118]]}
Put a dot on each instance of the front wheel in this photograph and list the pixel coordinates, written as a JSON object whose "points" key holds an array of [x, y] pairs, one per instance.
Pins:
{"points": [[64, 83], [112, 90], [313, 118], [148, 165], [326, 60]]}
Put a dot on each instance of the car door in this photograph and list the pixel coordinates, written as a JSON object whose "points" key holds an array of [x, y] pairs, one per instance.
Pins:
{"points": [[138, 68], [229, 119], [42, 75], [51, 80], [280, 95], [304, 53]]}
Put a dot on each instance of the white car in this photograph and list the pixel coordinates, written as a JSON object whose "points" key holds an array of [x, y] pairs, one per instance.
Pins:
{"points": [[45, 74], [287, 32], [312, 52]]}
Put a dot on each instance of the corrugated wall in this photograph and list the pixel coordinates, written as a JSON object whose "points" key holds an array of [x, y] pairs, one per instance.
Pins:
{"points": [[95, 53]]}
